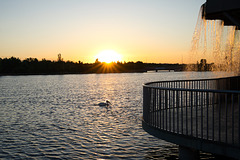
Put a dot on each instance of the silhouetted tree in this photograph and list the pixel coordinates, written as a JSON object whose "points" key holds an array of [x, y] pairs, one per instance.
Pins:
{"points": [[10, 66], [34, 66]]}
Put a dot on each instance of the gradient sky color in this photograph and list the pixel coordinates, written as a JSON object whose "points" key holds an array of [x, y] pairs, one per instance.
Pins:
{"points": [[158, 31]]}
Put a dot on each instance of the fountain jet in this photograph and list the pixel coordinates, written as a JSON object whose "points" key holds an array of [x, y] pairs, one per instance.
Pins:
{"points": [[225, 10]]}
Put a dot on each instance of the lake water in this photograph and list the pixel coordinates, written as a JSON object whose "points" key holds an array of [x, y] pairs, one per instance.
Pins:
{"points": [[57, 116]]}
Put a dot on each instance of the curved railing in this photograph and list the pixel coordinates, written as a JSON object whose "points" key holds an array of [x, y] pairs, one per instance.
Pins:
{"points": [[201, 110]]}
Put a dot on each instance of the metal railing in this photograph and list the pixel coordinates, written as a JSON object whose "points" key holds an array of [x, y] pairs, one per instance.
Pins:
{"points": [[208, 109]]}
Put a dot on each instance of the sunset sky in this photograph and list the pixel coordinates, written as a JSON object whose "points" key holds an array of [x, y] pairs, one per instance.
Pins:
{"points": [[158, 31]]}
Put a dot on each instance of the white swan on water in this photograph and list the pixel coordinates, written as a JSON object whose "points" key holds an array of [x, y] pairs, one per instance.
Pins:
{"points": [[107, 103]]}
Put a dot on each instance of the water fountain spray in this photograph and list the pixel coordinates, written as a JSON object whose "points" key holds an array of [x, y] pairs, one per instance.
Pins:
{"points": [[216, 37]]}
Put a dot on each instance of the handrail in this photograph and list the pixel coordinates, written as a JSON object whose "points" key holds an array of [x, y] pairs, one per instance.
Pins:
{"points": [[184, 88], [194, 90], [206, 79], [206, 109]]}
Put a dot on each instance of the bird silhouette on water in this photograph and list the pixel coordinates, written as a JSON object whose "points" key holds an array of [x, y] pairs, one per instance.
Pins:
{"points": [[105, 104]]}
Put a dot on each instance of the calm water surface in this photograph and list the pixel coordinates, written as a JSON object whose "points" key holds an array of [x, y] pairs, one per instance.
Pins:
{"points": [[57, 116]]}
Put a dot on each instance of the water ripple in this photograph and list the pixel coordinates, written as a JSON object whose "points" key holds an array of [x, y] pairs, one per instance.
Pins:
{"points": [[56, 117]]}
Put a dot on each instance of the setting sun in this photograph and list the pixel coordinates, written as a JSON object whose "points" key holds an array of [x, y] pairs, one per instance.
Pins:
{"points": [[109, 56]]}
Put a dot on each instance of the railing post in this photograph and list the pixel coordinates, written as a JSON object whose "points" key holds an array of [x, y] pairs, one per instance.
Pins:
{"points": [[191, 113], [232, 97], [166, 108], [213, 114], [146, 104], [197, 113], [177, 106], [226, 118], [207, 104], [173, 106], [238, 120]]}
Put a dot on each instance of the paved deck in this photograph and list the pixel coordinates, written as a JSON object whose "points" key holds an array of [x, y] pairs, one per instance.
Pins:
{"points": [[212, 129], [217, 123]]}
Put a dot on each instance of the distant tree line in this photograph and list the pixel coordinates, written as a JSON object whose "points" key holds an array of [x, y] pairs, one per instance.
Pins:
{"points": [[15, 66], [29, 66]]}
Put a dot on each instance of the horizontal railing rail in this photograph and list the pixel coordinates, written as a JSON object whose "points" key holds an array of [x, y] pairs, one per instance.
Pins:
{"points": [[207, 109]]}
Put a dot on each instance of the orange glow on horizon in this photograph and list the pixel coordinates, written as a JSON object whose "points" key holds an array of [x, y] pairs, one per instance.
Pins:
{"points": [[108, 56]]}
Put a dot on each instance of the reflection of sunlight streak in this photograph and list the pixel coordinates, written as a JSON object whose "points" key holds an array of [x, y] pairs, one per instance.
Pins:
{"points": [[115, 125], [70, 117], [116, 114]]}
